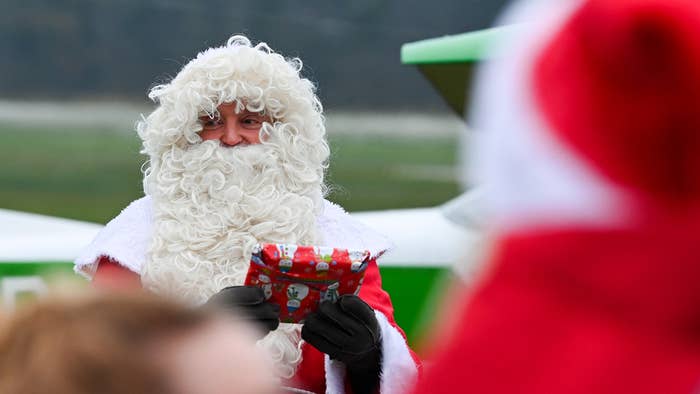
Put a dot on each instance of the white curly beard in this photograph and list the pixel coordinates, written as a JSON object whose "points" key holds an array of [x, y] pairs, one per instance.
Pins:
{"points": [[212, 204]]}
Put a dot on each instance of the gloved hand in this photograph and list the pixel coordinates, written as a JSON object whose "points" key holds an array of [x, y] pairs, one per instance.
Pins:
{"points": [[348, 331], [249, 303]]}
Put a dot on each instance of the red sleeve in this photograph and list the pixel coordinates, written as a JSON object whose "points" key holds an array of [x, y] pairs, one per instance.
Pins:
{"points": [[372, 293], [110, 275]]}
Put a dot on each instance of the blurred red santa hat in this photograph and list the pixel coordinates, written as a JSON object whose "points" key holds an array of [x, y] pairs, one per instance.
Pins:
{"points": [[590, 116], [588, 144]]}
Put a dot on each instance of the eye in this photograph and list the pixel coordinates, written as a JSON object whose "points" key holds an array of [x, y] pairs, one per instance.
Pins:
{"points": [[210, 123], [252, 121]]}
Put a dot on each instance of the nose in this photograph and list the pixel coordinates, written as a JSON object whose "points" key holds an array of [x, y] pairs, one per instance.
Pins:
{"points": [[231, 135]]}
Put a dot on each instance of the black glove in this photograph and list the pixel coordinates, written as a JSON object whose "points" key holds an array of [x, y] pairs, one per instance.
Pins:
{"points": [[348, 331], [249, 303]]}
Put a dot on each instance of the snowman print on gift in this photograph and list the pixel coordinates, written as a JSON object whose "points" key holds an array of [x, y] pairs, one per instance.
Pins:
{"points": [[322, 269], [266, 285], [295, 293], [287, 257], [357, 258], [285, 265]]}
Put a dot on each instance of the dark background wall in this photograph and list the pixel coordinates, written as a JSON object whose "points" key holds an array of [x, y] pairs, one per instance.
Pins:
{"points": [[90, 49]]}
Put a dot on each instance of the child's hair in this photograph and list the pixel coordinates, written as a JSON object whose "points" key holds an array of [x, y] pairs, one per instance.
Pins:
{"points": [[98, 344]]}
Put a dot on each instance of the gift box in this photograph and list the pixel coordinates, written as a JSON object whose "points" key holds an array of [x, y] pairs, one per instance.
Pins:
{"points": [[298, 278]]}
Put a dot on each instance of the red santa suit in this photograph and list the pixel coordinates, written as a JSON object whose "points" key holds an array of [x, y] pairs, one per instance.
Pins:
{"points": [[590, 149], [125, 239]]}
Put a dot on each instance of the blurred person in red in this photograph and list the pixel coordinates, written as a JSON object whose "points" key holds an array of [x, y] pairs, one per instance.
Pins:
{"points": [[237, 152], [128, 344], [589, 148]]}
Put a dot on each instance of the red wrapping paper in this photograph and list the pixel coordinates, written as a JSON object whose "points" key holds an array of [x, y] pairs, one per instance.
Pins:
{"points": [[298, 278]]}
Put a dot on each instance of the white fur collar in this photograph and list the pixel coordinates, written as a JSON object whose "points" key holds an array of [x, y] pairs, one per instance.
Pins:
{"points": [[125, 239]]}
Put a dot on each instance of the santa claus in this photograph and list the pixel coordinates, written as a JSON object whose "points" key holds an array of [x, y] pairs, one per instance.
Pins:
{"points": [[589, 146], [237, 151]]}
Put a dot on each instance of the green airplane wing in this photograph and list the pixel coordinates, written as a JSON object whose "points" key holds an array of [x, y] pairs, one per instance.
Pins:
{"points": [[449, 62]]}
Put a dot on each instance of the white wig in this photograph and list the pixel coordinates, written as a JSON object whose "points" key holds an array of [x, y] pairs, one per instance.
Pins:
{"points": [[212, 203], [255, 77]]}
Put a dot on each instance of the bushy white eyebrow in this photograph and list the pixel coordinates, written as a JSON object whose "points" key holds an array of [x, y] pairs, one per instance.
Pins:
{"points": [[240, 107]]}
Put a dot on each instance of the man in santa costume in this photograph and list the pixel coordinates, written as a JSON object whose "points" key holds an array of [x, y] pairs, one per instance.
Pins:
{"points": [[590, 148], [237, 151]]}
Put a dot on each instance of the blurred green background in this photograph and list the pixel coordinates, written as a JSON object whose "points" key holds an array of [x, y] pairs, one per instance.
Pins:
{"points": [[83, 56], [91, 174]]}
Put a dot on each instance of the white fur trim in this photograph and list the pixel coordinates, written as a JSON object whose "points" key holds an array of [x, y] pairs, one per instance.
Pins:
{"points": [[530, 175], [124, 239], [399, 371], [335, 375], [340, 230], [127, 237]]}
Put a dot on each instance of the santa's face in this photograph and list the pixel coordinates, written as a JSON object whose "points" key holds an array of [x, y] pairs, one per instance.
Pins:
{"points": [[233, 125]]}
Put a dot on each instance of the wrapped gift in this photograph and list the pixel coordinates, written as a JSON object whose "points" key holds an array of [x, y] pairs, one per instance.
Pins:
{"points": [[298, 278]]}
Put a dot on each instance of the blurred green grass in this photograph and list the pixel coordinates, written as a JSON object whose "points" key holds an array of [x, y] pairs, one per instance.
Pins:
{"points": [[91, 174]]}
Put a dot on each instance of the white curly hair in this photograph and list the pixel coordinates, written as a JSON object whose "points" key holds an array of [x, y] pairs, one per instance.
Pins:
{"points": [[213, 203]]}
